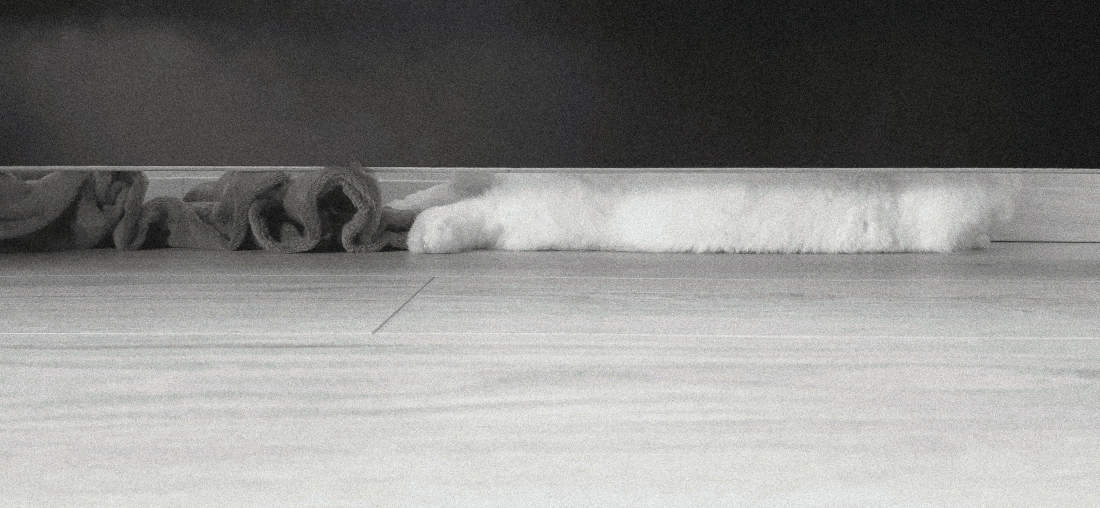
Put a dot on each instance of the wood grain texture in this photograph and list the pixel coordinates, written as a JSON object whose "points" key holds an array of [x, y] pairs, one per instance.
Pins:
{"points": [[631, 421], [179, 377], [802, 307], [157, 308], [1002, 261]]}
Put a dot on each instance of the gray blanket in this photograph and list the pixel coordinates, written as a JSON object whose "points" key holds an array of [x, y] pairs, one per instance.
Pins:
{"points": [[333, 209]]}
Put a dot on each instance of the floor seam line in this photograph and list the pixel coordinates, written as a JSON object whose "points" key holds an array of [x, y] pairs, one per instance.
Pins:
{"points": [[401, 307]]}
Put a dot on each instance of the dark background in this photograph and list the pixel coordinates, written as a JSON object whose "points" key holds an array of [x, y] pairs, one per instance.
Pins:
{"points": [[550, 84]]}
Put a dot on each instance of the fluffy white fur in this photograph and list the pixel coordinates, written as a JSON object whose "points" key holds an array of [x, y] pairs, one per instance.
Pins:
{"points": [[791, 212]]}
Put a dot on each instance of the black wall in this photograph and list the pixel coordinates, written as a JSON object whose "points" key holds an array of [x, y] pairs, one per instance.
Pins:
{"points": [[488, 83]]}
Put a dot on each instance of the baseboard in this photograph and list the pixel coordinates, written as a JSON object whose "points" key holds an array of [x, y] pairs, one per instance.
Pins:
{"points": [[1052, 207]]}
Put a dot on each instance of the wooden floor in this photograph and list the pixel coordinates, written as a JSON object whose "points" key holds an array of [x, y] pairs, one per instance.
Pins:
{"points": [[181, 377]]}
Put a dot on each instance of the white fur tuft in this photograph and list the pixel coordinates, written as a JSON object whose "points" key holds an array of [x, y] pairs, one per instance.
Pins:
{"points": [[821, 213]]}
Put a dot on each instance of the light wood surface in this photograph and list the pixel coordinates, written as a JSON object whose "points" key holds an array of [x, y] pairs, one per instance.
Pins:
{"points": [[199, 304], [1002, 261], [475, 421], [178, 377], [803, 307]]}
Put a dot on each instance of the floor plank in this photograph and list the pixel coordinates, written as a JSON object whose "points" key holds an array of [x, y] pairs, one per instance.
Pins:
{"points": [[1011, 290], [804, 307], [1002, 261], [156, 309], [561, 420], [184, 377]]}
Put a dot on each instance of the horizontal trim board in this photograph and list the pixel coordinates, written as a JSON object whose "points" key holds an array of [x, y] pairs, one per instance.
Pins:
{"points": [[1051, 208], [433, 169], [1057, 205]]}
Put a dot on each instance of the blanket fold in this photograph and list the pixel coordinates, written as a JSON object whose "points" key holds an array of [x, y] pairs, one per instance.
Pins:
{"points": [[210, 217], [67, 209], [337, 208], [333, 209]]}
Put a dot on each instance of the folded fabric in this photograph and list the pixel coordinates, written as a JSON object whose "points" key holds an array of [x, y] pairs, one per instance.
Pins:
{"points": [[67, 209], [332, 209], [211, 217]]}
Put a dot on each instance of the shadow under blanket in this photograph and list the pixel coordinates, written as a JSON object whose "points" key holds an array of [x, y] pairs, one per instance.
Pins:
{"points": [[333, 209]]}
